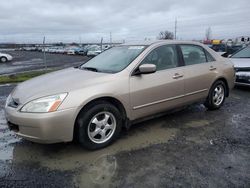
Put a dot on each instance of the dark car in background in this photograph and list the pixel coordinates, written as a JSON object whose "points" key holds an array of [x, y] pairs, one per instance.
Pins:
{"points": [[231, 50], [226, 50]]}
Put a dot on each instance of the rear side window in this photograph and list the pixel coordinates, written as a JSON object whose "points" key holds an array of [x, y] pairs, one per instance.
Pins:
{"points": [[164, 57], [193, 54]]}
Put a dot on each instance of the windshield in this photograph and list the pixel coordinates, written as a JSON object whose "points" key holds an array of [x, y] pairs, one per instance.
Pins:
{"points": [[244, 53], [114, 60]]}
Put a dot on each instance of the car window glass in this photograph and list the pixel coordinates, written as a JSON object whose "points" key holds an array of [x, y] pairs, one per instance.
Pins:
{"points": [[244, 53], [193, 54], [209, 56], [115, 59], [164, 57]]}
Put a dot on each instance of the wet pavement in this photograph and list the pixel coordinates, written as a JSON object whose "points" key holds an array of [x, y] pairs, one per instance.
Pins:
{"points": [[189, 148], [28, 61]]}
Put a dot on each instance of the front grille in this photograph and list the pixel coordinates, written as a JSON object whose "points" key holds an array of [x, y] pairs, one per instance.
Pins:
{"points": [[13, 127]]}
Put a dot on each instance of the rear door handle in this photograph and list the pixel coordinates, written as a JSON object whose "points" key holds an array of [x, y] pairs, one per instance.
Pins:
{"points": [[177, 75], [212, 68]]}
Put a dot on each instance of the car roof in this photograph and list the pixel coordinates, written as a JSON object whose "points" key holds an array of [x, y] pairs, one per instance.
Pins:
{"points": [[153, 42]]}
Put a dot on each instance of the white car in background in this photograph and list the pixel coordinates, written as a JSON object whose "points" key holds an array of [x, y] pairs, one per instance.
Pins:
{"points": [[94, 51], [5, 57]]}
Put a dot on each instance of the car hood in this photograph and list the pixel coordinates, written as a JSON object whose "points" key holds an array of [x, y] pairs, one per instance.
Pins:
{"points": [[241, 62], [57, 82]]}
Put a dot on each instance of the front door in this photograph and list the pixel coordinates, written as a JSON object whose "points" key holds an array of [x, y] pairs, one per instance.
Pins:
{"points": [[159, 91]]}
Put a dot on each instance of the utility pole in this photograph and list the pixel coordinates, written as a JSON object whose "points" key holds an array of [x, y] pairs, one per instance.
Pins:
{"points": [[80, 40], [110, 38], [175, 28], [44, 54]]}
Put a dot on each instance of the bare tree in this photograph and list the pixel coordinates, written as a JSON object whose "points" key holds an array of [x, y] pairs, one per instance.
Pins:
{"points": [[208, 33], [166, 35]]}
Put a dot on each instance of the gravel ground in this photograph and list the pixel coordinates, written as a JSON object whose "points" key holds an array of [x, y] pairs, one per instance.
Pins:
{"points": [[189, 148], [28, 61]]}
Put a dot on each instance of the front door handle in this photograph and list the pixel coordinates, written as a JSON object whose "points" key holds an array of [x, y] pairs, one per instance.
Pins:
{"points": [[177, 75], [212, 68]]}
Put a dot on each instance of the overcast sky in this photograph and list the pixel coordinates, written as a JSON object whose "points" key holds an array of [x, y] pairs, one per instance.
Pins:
{"points": [[28, 21]]}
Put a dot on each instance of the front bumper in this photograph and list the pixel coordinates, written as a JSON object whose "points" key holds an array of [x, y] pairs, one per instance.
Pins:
{"points": [[243, 78], [50, 127]]}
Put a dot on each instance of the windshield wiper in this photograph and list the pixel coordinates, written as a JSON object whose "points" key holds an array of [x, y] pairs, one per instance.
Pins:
{"points": [[91, 69]]}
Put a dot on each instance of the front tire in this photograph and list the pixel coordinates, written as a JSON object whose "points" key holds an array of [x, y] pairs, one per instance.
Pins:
{"points": [[98, 125], [3, 59], [216, 96]]}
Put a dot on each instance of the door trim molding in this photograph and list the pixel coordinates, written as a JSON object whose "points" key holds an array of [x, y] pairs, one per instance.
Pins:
{"points": [[168, 99]]}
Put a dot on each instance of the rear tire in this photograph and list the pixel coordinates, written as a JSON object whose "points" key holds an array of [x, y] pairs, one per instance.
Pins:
{"points": [[3, 59], [216, 96], [98, 125]]}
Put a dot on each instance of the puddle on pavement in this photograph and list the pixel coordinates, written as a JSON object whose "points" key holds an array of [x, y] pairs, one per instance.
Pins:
{"points": [[72, 156], [91, 167], [197, 123], [99, 173]]}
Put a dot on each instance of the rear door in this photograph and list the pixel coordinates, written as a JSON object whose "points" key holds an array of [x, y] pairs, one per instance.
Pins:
{"points": [[199, 70], [164, 89]]}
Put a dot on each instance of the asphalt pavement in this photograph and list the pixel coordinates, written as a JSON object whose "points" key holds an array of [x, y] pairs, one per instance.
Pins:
{"points": [[29, 61], [189, 148]]}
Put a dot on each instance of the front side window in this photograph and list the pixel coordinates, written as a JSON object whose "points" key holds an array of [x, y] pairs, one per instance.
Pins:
{"points": [[244, 53], [193, 54], [164, 57]]}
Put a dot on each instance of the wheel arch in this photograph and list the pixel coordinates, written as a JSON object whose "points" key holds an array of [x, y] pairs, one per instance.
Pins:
{"points": [[4, 57], [112, 100], [226, 83]]}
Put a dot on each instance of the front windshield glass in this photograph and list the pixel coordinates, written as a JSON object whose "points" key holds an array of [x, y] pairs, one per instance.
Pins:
{"points": [[114, 60], [244, 53]]}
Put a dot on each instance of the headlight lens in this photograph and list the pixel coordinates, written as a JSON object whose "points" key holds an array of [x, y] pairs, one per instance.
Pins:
{"points": [[44, 104]]}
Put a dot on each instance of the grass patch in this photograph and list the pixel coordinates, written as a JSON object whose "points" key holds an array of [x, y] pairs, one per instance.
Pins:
{"points": [[20, 77]]}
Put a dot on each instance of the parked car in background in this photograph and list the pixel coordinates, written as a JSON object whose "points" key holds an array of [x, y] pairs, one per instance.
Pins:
{"points": [[59, 50], [106, 47], [219, 48], [94, 51], [225, 50], [70, 51], [231, 50], [241, 61], [125, 83], [85, 49], [5, 57], [79, 51]]}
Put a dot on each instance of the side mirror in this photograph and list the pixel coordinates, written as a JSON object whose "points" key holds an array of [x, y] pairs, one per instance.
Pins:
{"points": [[146, 69]]}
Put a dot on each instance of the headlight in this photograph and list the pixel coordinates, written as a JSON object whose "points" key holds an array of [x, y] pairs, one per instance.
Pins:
{"points": [[44, 104]]}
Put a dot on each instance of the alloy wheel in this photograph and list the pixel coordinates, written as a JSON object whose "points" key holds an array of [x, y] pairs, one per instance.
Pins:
{"points": [[101, 127]]}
